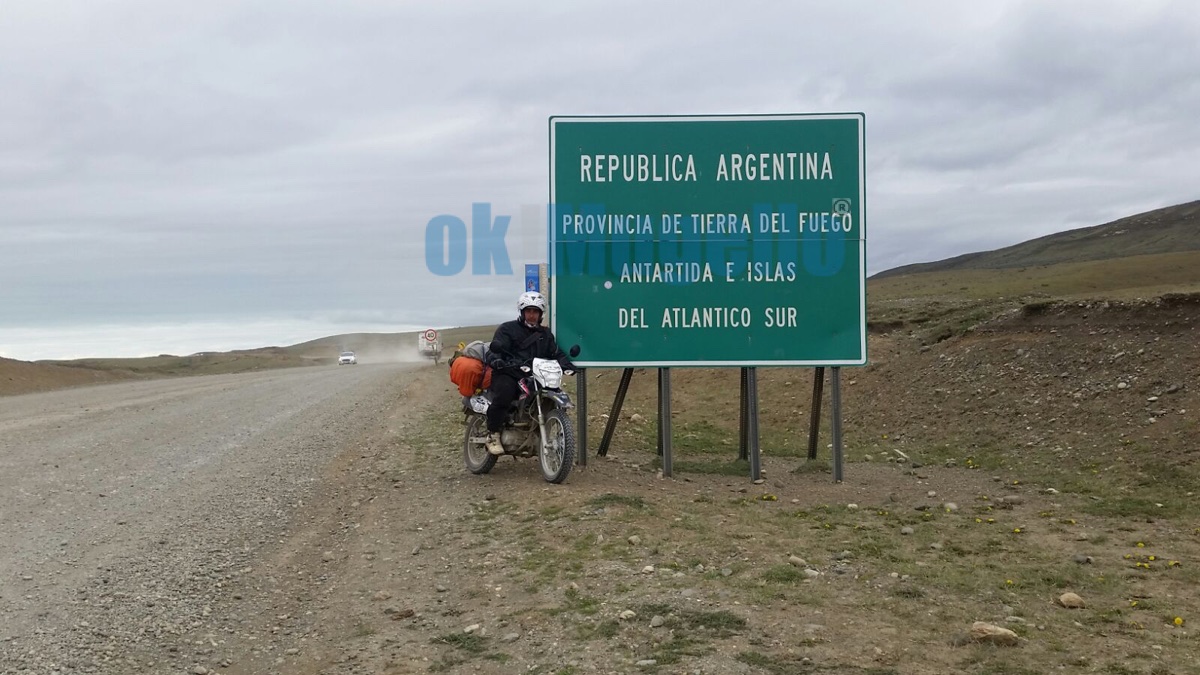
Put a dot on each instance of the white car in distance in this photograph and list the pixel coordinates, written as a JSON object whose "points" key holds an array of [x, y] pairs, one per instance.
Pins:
{"points": [[347, 359]]}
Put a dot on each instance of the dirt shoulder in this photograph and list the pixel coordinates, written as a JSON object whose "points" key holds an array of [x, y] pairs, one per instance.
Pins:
{"points": [[981, 506]]}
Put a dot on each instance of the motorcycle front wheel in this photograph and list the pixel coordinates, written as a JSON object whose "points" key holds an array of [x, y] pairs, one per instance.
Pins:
{"points": [[558, 452], [475, 454]]}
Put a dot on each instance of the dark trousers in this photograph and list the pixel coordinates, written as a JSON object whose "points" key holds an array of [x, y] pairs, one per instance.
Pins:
{"points": [[504, 392]]}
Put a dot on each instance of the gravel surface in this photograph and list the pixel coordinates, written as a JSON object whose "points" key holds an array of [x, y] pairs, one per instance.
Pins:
{"points": [[131, 513]]}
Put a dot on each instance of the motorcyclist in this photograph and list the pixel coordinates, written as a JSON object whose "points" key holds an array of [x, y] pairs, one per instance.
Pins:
{"points": [[515, 344]]}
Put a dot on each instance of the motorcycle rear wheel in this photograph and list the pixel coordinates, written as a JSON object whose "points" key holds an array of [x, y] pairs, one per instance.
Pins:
{"points": [[558, 453], [475, 454]]}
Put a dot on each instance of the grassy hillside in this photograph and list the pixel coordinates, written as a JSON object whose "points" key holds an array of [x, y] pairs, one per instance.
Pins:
{"points": [[1167, 230]]}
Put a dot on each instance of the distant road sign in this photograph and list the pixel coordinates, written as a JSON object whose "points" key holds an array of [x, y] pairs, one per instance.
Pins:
{"points": [[532, 278], [430, 335], [709, 240]]}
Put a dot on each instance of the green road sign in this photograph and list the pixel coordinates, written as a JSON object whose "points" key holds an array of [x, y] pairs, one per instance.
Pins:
{"points": [[709, 240]]}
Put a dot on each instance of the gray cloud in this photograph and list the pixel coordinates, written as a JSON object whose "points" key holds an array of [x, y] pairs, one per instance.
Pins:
{"points": [[165, 160]]}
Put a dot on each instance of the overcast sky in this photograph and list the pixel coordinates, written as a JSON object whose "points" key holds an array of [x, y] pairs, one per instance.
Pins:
{"points": [[183, 176]]}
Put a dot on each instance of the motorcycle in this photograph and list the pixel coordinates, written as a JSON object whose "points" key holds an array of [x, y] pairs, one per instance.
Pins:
{"points": [[538, 423]]}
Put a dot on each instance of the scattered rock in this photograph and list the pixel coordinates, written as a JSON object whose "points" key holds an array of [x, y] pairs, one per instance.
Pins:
{"points": [[811, 573], [657, 621], [852, 507], [634, 540], [440, 588], [936, 546], [950, 506], [726, 572], [1082, 559], [472, 628], [990, 634], [381, 596], [1071, 601], [644, 663], [511, 637], [906, 530], [648, 569], [931, 494], [327, 556], [1012, 500], [636, 418], [797, 561], [844, 555], [627, 615]]}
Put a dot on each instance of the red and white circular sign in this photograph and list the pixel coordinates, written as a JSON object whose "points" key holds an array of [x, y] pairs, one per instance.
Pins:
{"points": [[430, 335]]}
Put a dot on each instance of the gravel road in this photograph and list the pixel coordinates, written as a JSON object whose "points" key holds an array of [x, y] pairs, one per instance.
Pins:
{"points": [[129, 512]]}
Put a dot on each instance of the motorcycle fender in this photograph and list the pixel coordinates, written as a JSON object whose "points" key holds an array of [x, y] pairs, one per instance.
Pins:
{"points": [[560, 398]]}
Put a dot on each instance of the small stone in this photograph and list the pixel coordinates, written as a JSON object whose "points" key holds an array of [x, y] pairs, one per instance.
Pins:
{"points": [[634, 540], [198, 670], [950, 506], [292, 652], [906, 530], [931, 494], [327, 556], [646, 663], [811, 573], [648, 569], [440, 588], [1071, 601], [986, 632], [627, 615], [636, 418], [1012, 499], [1122, 385], [935, 546], [1082, 559], [472, 628], [797, 561], [726, 572], [844, 555], [759, 481], [657, 621], [511, 637], [852, 507], [381, 595]]}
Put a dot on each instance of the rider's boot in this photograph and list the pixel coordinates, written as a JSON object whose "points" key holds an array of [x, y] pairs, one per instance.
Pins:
{"points": [[494, 446]]}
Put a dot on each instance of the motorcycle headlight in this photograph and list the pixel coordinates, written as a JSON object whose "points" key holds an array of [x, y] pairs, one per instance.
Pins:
{"points": [[548, 372]]}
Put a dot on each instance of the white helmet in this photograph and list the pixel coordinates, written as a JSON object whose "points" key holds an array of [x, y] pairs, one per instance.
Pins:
{"points": [[531, 300]]}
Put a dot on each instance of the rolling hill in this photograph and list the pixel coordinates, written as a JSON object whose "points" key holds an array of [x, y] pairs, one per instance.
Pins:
{"points": [[1168, 230]]}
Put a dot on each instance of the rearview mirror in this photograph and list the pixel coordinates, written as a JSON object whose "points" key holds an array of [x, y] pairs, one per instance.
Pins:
{"points": [[574, 351]]}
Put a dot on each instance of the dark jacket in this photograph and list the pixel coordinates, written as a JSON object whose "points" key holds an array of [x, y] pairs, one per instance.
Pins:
{"points": [[515, 345]]}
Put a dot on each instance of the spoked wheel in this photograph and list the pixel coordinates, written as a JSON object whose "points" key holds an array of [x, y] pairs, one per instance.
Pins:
{"points": [[475, 454], [558, 453]]}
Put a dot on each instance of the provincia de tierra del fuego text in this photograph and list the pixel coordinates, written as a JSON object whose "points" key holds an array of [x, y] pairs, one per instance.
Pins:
{"points": [[788, 166]]}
